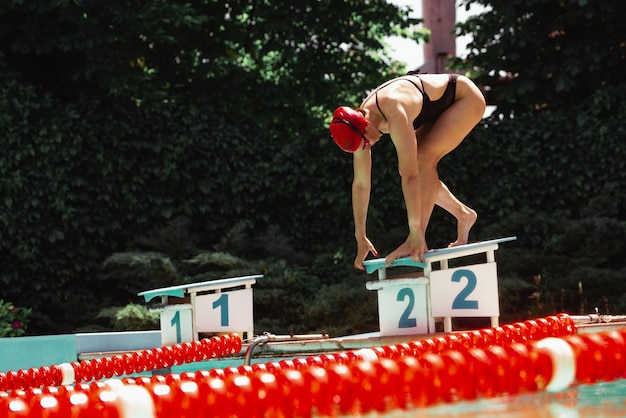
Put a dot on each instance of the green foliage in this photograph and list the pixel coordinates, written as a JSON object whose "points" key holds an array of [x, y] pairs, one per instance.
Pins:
{"points": [[538, 53], [149, 143], [305, 299], [344, 308], [552, 178], [132, 317], [119, 118], [568, 162], [552, 174], [123, 275], [13, 320], [214, 260]]}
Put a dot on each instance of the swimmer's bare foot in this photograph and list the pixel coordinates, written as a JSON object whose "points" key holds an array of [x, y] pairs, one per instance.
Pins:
{"points": [[464, 224], [414, 244]]}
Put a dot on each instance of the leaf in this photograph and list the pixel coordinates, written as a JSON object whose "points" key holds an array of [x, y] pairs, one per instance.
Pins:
{"points": [[55, 235]]}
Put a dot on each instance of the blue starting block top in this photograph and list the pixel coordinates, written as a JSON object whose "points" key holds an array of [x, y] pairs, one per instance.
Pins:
{"points": [[437, 254], [181, 290]]}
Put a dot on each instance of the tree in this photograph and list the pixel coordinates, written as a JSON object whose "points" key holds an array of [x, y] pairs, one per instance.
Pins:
{"points": [[117, 117], [552, 154], [532, 54]]}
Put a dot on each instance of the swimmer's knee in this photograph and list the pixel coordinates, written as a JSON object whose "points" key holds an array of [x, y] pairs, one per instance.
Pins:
{"points": [[472, 93]]}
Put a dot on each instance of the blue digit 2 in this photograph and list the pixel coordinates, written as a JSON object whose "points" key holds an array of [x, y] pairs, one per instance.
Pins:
{"points": [[405, 321], [461, 302]]}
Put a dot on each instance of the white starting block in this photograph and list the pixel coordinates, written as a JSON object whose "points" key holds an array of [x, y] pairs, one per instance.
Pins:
{"points": [[215, 306], [409, 305]]}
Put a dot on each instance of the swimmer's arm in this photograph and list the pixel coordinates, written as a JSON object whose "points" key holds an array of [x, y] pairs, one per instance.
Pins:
{"points": [[403, 137], [361, 186]]}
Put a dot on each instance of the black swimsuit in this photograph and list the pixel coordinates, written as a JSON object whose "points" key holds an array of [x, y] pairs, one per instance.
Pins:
{"points": [[431, 110]]}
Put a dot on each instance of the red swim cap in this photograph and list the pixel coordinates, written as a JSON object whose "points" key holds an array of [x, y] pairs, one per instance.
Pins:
{"points": [[348, 128]]}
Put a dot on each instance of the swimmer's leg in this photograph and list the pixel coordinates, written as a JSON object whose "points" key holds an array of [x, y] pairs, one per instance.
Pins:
{"points": [[465, 216]]}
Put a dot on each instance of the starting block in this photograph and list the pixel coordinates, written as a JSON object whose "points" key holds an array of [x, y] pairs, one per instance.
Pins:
{"points": [[215, 306], [409, 304]]}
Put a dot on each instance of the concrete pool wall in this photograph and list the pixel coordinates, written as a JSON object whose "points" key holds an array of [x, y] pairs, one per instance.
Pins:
{"points": [[26, 352]]}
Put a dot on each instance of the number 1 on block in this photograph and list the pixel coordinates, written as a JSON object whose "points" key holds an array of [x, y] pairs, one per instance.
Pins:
{"points": [[222, 305], [225, 311], [176, 325]]}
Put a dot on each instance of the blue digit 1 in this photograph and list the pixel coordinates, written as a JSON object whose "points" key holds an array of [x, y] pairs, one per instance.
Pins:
{"points": [[461, 302], [405, 321], [222, 303], [175, 322]]}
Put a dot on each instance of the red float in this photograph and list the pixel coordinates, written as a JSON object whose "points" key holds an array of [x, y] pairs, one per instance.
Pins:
{"points": [[462, 366], [316, 386], [267, 395]]}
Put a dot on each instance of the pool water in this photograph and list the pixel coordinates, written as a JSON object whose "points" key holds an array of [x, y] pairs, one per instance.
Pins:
{"points": [[607, 399]]}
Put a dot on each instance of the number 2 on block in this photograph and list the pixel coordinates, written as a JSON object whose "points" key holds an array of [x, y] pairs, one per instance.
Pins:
{"points": [[405, 320], [461, 302]]}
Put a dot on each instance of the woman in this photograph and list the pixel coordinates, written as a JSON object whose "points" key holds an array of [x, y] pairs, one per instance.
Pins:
{"points": [[427, 116]]}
